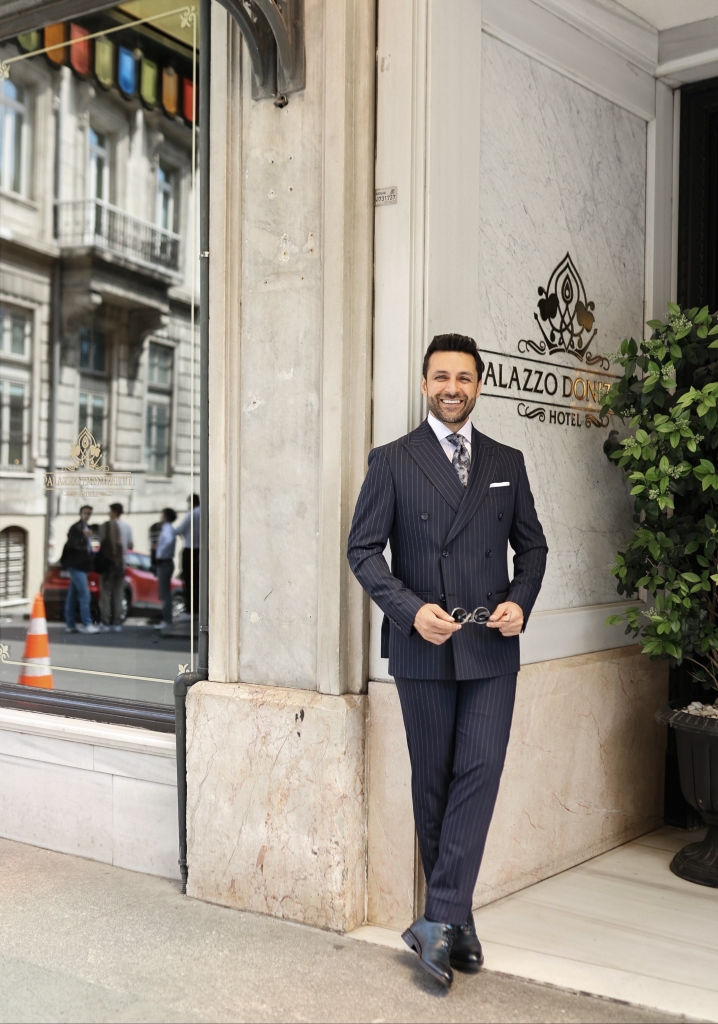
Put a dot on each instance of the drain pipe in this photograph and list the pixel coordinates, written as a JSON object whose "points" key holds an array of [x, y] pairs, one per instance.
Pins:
{"points": [[185, 680]]}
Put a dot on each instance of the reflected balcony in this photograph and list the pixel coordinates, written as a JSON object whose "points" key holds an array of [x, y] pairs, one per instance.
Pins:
{"points": [[117, 235]]}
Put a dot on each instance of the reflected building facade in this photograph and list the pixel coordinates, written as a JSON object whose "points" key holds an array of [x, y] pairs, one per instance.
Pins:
{"points": [[96, 286]]}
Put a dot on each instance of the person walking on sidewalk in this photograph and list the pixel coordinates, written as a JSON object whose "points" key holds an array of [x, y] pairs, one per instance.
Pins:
{"points": [[188, 530], [449, 500], [165, 562], [112, 570], [77, 560]]}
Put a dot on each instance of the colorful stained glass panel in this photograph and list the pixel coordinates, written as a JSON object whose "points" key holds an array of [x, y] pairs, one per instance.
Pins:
{"points": [[148, 82], [105, 62], [53, 35], [170, 91], [187, 100], [29, 41], [79, 50], [126, 71]]}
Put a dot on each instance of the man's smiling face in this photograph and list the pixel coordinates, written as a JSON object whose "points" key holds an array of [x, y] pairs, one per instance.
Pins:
{"points": [[451, 387]]}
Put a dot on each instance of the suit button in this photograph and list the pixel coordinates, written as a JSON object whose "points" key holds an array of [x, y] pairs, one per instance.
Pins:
{"points": [[501, 515], [424, 515], [444, 554], [488, 552], [489, 595], [442, 597]]}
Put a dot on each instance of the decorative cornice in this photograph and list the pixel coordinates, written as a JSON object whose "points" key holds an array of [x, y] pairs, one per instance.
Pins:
{"points": [[610, 24]]}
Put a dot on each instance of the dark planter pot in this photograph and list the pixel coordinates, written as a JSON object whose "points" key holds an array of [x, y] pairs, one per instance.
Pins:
{"points": [[697, 743]]}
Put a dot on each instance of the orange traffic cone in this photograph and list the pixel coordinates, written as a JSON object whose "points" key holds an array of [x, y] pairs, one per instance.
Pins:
{"points": [[36, 659]]}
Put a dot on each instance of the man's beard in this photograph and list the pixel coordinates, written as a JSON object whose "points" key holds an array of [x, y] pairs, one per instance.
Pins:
{"points": [[462, 413]]}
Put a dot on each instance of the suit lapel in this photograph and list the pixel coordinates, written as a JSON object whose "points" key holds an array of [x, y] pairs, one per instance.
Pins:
{"points": [[425, 449], [483, 453]]}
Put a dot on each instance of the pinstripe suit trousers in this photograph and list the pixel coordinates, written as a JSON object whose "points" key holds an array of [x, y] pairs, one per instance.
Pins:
{"points": [[457, 732]]}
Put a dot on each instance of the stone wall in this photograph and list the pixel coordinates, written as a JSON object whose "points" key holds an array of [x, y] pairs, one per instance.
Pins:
{"points": [[275, 803]]}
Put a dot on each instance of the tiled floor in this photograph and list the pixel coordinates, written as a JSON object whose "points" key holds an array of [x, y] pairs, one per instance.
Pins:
{"points": [[621, 925]]}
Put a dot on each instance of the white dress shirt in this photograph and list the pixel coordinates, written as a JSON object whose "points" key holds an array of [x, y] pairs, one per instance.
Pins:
{"points": [[166, 542], [442, 432], [183, 530]]}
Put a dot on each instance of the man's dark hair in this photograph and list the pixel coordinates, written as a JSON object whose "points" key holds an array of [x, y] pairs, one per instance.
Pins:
{"points": [[169, 514], [453, 343], [117, 508], [195, 500], [84, 507]]}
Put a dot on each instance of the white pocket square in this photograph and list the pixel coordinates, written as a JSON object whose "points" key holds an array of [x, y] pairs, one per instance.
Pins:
{"points": [[504, 483]]}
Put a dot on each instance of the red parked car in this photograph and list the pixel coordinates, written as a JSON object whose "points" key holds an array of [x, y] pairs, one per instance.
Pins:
{"points": [[140, 596]]}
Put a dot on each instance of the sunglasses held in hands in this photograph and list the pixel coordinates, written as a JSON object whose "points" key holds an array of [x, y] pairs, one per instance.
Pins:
{"points": [[479, 616]]}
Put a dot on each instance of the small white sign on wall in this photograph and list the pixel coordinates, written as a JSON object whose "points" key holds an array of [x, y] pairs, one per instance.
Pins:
{"points": [[385, 196]]}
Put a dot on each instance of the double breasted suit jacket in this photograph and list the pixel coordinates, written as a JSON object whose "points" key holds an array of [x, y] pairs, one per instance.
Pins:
{"points": [[448, 547]]}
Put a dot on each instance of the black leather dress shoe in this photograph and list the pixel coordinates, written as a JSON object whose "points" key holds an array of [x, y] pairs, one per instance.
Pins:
{"points": [[432, 941], [466, 954]]}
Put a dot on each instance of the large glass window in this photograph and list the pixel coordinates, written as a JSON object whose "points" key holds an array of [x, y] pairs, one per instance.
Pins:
{"points": [[13, 134], [106, 360]]}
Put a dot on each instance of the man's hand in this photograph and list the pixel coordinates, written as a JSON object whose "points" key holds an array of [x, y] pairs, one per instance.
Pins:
{"points": [[507, 617], [434, 624]]}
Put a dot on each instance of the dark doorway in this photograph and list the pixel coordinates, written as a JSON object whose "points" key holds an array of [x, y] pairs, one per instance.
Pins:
{"points": [[697, 286], [698, 198]]}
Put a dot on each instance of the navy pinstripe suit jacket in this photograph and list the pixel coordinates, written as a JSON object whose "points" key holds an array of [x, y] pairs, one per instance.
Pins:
{"points": [[448, 547]]}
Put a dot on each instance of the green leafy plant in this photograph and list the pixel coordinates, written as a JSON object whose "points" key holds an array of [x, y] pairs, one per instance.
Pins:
{"points": [[668, 396]]}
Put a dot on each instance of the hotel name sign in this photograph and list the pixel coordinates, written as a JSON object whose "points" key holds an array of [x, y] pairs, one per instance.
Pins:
{"points": [[86, 477], [543, 389]]}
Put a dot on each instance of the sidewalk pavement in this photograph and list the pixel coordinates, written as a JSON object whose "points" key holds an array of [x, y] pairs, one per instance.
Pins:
{"points": [[82, 941]]}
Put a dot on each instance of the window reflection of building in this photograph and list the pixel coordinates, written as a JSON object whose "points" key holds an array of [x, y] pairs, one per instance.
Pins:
{"points": [[159, 408], [107, 168], [93, 352], [98, 179], [13, 136], [92, 414], [165, 198], [15, 338], [13, 544]]}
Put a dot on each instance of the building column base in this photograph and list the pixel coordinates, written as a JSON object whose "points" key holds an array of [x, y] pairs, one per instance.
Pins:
{"points": [[276, 803]]}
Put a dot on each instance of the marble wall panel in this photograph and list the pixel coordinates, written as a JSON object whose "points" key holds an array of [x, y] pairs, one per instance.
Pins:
{"points": [[108, 803], [275, 803], [583, 774], [584, 768], [562, 170]]}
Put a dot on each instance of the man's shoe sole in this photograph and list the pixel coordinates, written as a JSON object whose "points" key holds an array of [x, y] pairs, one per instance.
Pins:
{"points": [[413, 944]]}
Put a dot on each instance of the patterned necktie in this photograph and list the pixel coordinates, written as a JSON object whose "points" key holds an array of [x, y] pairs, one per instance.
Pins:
{"points": [[462, 458]]}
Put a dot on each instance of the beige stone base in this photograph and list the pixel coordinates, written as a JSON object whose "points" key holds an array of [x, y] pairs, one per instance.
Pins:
{"points": [[583, 774], [275, 802]]}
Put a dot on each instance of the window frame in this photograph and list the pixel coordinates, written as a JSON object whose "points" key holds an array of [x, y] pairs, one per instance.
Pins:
{"points": [[88, 393], [23, 108], [15, 371], [78, 705], [168, 187]]}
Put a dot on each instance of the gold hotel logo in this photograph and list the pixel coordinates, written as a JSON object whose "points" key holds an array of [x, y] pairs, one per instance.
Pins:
{"points": [[86, 477]]}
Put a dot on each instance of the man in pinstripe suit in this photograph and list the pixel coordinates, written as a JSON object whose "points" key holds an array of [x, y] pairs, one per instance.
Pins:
{"points": [[448, 500]]}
